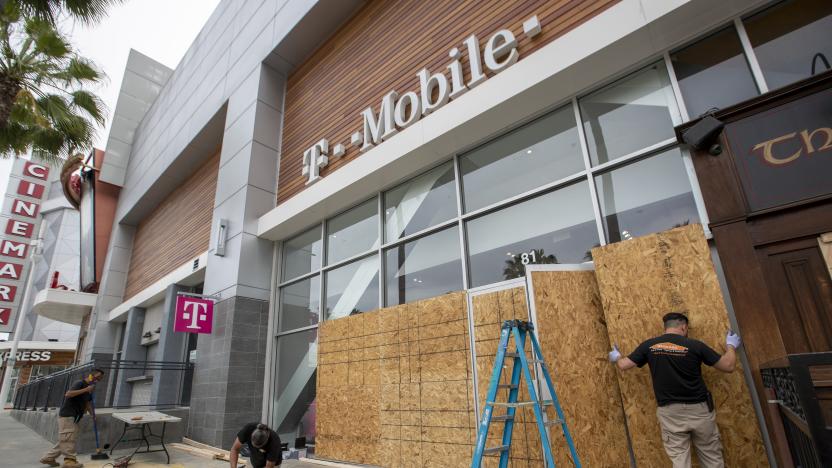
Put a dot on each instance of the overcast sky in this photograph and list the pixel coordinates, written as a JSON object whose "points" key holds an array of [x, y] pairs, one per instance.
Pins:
{"points": [[160, 29]]}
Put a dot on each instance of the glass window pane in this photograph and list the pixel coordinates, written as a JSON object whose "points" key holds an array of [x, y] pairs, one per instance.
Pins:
{"points": [[713, 73], [558, 227], [422, 202], [536, 154], [645, 197], [352, 232], [300, 304], [352, 288], [302, 254], [422, 268], [787, 37], [294, 408], [629, 115]]}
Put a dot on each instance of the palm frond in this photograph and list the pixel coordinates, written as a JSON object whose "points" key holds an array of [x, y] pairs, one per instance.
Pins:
{"points": [[91, 104], [43, 106], [48, 40], [85, 11], [80, 70]]}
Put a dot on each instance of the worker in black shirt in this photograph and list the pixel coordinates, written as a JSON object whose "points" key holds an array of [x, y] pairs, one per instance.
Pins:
{"points": [[76, 402], [263, 446], [685, 408]]}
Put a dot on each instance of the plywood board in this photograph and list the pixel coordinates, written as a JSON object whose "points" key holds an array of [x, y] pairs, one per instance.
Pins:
{"points": [[490, 310], [642, 279], [407, 370], [574, 341]]}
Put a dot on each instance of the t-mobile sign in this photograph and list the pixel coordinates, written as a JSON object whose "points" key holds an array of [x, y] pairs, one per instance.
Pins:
{"points": [[193, 315]]}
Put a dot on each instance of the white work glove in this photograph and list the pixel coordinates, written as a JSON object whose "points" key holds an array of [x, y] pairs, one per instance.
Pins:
{"points": [[615, 354], [733, 340]]}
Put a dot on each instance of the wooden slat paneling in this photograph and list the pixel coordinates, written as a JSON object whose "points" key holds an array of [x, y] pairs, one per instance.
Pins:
{"points": [[178, 229], [382, 48]]}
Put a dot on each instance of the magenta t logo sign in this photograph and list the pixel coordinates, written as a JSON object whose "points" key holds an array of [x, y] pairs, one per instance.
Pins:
{"points": [[193, 315]]}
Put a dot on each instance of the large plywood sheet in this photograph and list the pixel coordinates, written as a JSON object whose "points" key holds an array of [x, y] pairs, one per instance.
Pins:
{"points": [[407, 369], [642, 279], [573, 338], [490, 310]]}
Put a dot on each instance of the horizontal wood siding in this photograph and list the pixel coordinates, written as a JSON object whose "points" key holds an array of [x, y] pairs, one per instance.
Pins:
{"points": [[178, 229], [382, 48]]}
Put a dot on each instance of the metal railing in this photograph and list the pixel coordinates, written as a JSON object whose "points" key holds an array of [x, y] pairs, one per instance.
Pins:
{"points": [[800, 384], [48, 391]]}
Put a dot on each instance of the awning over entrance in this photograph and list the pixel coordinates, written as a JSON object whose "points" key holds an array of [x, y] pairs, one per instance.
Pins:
{"points": [[64, 306]]}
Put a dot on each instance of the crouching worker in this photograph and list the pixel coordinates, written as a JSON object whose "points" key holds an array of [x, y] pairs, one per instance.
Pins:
{"points": [[685, 407], [76, 402], [262, 444]]}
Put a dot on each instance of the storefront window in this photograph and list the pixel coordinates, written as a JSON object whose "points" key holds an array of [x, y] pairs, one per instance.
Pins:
{"points": [[645, 197], [713, 73], [12, 384], [422, 202], [422, 268], [352, 232], [629, 115], [792, 40], [300, 304], [541, 152], [558, 227], [297, 361], [352, 288], [302, 253]]}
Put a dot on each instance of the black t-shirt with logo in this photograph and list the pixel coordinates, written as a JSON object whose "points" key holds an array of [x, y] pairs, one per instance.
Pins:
{"points": [[676, 367], [270, 452], [74, 407]]}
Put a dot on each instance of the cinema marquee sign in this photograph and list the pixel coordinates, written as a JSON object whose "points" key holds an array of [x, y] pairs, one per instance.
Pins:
{"points": [[19, 219], [397, 112]]}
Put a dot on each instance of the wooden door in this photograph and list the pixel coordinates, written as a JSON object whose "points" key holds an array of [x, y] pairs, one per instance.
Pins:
{"points": [[801, 289]]}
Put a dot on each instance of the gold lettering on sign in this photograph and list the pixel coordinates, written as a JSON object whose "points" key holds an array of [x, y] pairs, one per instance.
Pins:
{"points": [[808, 137], [768, 153]]}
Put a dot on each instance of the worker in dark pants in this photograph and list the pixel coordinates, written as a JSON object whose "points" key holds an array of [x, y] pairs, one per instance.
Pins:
{"points": [[263, 445], [685, 407], [76, 402]]}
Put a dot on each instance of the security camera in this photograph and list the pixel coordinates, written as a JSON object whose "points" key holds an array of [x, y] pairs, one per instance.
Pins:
{"points": [[703, 135]]}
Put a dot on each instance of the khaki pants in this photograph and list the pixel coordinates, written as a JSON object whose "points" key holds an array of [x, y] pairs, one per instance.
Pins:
{"points": [[680, 423], [67, 435]]}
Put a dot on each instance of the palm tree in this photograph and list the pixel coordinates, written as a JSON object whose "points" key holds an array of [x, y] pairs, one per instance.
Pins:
{"points": [[84, 11], [43, 104]]}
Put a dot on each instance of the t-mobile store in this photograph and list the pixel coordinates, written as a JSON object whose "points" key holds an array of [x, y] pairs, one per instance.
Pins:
{"points": [[456, 165], [366, 190]]}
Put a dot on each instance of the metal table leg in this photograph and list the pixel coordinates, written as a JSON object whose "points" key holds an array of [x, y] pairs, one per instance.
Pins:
{"points": [[123, 431], [162, 439]]}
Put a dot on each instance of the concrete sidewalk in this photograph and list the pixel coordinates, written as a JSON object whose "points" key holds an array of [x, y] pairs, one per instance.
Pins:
{"points": [[20, 447]]}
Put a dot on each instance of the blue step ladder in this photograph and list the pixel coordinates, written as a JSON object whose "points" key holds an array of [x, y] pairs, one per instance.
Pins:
{"points": [[519, 330]]}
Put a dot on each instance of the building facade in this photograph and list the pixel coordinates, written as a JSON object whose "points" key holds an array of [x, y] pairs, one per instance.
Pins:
{"points": [[308, 161], [45, 345]]}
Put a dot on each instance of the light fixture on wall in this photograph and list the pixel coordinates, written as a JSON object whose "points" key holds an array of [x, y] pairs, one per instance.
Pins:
{"points": [[704, 135], [222, 232]]}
